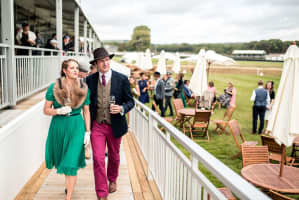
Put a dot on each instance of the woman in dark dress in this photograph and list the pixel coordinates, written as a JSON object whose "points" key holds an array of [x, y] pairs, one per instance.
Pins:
{"points": [[178, 90], [143, 87]]}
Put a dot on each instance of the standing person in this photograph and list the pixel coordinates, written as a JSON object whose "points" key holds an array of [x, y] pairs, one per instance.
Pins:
{"points": [[68, 131], [169, 87], [108, 119], [143, 86], [27, 39], [261, 99], [178, 90], [134, 87], [159, 93], [231, 90], [270, 87]]}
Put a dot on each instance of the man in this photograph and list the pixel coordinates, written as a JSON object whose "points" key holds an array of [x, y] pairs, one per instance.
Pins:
{"points": [[261, 99], [27, 38], [108, 122], [187, 90], [159, 92], [169, 87]]}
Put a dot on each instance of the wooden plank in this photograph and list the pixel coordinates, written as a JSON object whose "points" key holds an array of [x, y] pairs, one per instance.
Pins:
{"points": [[132, 172], [34, 183], [155, 190], [139, 152]]}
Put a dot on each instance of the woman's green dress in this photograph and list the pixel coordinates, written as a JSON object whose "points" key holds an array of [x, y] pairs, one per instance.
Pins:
{"points": [[64, 146]]}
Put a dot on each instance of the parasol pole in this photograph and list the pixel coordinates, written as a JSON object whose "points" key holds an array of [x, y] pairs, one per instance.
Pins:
{"points": [[283, 159]]}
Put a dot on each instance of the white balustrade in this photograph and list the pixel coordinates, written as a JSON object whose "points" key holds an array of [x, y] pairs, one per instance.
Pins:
{"points": [[177, 177]]}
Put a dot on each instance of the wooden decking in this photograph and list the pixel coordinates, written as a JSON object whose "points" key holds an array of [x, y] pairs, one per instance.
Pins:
{"points": [[132, 181]]}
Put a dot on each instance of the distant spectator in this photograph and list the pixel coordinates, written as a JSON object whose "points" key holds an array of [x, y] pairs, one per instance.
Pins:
{"points": [[38, 40], [169, 87], [187, 90], [134, 87], [27, 38], [212, 89], [66, 43], [48, 45], [83, 73], [270, 87], [92, 69], [228, 99], [143, 86], [261, 99], [159, 93], [178, 90]]}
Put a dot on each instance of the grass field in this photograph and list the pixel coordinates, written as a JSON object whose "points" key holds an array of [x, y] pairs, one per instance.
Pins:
{"points": [[223, 146], [260, 64]]}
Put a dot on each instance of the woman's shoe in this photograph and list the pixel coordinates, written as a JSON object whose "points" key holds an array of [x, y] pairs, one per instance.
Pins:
{"points": [[65, 191]]}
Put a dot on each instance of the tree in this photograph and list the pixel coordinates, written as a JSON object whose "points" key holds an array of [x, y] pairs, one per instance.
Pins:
{"points": [[141, 38]]}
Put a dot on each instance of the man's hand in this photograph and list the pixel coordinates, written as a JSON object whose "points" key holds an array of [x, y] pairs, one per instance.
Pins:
{"points": [[115, 109]]}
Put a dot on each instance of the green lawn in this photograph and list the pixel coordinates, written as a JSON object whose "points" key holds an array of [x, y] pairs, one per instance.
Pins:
{"points": [[260, 64], [223, 146]]}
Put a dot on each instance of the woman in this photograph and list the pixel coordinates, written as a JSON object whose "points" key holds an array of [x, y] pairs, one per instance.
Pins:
{"points": [[143, 86], [178, 90], [64, 146], [270, 87], [212, 89], [228, 99], [134, 88], [231, 90]]}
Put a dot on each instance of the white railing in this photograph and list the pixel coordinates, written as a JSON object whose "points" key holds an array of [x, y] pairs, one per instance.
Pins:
{"points": [[22, 149], [35, 69], [177, 177], [3, 76]]}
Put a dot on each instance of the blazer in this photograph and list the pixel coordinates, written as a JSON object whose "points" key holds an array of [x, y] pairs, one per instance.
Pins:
{"points": [[120, 88], [160, 90]]}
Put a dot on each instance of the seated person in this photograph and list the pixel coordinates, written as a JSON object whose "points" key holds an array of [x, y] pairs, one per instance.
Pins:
{"points": [[187, 90], [212, 89]]}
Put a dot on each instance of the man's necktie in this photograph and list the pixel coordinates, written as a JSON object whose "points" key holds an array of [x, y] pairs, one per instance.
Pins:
{"points": [[103, 80]]}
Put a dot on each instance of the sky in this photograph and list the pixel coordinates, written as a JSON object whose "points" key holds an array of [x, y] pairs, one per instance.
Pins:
{"points": [[196, 21]]}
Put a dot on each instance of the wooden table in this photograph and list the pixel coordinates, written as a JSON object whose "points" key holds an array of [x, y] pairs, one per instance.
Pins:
{"points": [[190, 111], [267, 176]]}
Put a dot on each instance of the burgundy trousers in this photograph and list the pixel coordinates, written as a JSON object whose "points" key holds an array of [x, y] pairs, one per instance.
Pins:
{"points": [[101, 134]]}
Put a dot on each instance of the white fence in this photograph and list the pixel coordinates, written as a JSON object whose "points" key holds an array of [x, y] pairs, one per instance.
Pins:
{"points": [[35, 69], [22, 149], [177, 177]]}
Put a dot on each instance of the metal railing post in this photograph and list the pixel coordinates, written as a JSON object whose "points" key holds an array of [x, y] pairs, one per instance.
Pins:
{"points": [[7, 13]]}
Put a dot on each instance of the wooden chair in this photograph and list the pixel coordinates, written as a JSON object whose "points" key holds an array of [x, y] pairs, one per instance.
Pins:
{"points": [[190, 101], [277, 196], [200, 124], [236, 131], [178, 104], [222, 124], [275, 150], [254, 155]]}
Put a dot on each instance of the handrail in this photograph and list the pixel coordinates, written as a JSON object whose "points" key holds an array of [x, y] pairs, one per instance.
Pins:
{"points": [[4, 45], [35, 48], [239, 186]]}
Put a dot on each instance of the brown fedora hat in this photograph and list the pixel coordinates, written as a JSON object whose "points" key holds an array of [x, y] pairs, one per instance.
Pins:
{"points": [[100, 53]]}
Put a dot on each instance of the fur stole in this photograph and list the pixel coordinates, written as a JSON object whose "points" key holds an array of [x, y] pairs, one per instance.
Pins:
{"points": [[77, 95]]}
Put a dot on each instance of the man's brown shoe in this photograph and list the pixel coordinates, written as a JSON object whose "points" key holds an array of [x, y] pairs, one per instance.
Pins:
{"points": [[112, 187], [103, 198]]}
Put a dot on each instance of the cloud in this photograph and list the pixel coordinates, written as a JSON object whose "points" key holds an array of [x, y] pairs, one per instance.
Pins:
{"points": [[196, 21]]}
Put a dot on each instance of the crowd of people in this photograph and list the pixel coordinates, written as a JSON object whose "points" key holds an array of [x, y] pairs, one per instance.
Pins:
{"points": [[25, 37]]}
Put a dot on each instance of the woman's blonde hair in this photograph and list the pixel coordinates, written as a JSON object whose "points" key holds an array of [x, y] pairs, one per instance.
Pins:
{"points": [[65, 64]]}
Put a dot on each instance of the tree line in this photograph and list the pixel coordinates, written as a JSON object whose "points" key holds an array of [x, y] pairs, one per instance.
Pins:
{"points": [[141, 40]]}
